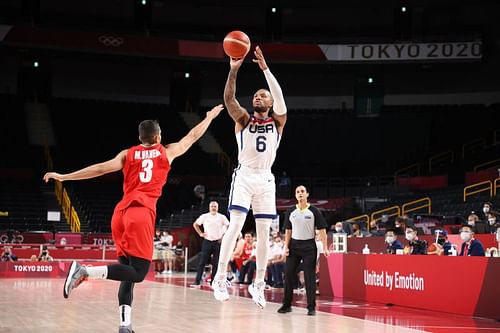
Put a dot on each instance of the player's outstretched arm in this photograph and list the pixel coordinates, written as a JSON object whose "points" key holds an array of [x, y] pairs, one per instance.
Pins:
{"points": [[279, 105], [92, 171], [178, 148], [236, 111]]}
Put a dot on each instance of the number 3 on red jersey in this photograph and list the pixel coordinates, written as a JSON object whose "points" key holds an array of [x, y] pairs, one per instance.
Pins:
{"points": [[146, 175]]}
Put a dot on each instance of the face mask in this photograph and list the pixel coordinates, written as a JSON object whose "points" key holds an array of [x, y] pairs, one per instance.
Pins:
{"points": [[389, 239], [486, 209], [471, 223], [492, 221], [441, 241], [338, 229], [398, 225], [409, 236], [465, 236]]}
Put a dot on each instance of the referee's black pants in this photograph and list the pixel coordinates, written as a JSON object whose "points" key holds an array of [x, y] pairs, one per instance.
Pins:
{"points": [[208, 248], [306, 251]]}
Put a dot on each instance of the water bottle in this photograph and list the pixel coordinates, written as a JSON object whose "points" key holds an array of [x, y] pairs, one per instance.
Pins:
{"points": [[452, 252], [366, 250]]}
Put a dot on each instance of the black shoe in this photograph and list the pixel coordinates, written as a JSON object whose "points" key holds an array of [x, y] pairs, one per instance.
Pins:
{"points": [[311, 312], [285, 309]]}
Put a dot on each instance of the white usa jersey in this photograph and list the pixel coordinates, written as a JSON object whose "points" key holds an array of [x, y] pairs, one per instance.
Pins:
{"points": [[258, 143]]}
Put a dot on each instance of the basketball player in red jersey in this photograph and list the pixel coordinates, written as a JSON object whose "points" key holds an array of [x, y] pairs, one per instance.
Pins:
{"points": [[145, 169]]}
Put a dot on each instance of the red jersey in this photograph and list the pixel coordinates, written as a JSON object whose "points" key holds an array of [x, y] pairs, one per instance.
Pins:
{"points": [[245, 255], [145, 172]]}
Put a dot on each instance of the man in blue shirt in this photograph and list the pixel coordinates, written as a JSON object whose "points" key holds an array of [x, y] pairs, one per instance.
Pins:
{"points": [[392, 241], [470, 246]]}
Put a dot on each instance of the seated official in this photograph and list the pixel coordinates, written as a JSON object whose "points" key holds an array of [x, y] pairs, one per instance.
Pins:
{"points": [[392, 241], [443, 245], [415, 245], [470, 246]]}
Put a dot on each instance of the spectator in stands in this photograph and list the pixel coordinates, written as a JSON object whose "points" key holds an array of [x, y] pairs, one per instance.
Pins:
{"points": [[375, 228], [493, 223], [44, 255], [245, 262], [392, 241], [8, 255], [487, 208], [415, 245], [480, 226], [472, 219], [233, 267], [399, 226], [157, 254], [166, 241], [199, 195], [145, 169], [179, 255], [470, 245], [356, 231], [277, 262], [442, 246], [214, 226], [407, 220], [338, 228], [34, 258], [179, 249]]}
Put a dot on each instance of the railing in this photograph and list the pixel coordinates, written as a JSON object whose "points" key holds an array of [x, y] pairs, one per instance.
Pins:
{"points": [[473, 145], [496, 184], [446, 156], [62, 196], [411, 170], [363, 217], [68, 210], [396, 211], [487, 185], [426, 204], [487, 165]]}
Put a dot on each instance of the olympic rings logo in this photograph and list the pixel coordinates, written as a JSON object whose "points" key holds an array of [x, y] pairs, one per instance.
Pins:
{"points": [[111, 41]]}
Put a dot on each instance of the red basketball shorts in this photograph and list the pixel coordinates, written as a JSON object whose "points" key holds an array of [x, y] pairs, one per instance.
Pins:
{"points": [[133, 231]]}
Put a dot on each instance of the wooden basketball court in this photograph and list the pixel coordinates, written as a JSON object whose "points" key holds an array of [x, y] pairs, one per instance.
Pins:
{"points": [[37, 305]]}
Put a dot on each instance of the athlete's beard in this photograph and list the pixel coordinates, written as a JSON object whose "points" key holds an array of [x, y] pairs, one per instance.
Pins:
{"points": [[260, 109]]}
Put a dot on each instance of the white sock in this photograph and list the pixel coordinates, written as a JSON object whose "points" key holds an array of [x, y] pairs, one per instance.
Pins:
{"points": [[125, 315], [262, 226], [97, 272], [237, 219]]}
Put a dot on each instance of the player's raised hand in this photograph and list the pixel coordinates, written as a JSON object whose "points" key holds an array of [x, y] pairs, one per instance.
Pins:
{"points": [[259, 58], [236, 63], [52, 175], [215, 111]]}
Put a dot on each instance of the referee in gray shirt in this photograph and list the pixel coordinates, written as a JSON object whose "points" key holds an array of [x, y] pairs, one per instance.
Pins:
{"points": [[300, 245]]}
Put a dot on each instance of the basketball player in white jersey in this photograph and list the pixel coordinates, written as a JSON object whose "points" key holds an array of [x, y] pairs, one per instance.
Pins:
{"points": [[258, 136]]}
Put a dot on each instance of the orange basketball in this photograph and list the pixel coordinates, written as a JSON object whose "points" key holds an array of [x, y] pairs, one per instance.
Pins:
{"points": [[434, 249], [236, 44]]}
